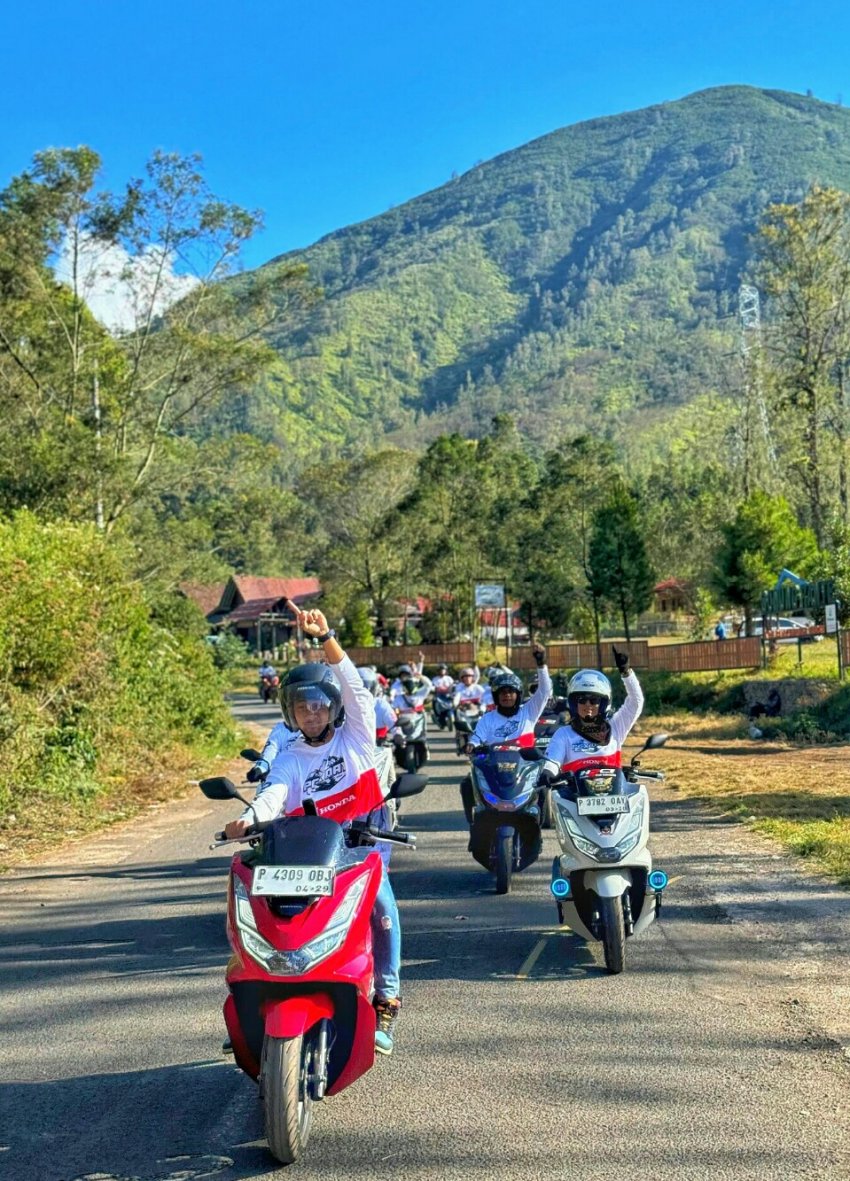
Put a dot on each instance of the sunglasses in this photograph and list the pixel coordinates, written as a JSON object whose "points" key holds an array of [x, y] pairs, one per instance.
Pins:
{"points": [[588, 699]]}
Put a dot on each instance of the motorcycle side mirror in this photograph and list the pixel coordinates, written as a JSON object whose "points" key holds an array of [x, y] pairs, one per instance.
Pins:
{"points": [[250, 754], [530, 754], [652, 743], [408, 785], [220, 788]]}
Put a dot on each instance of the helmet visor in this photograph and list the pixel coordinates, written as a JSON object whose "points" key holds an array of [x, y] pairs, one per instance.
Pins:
{"points": [[309, 698]]}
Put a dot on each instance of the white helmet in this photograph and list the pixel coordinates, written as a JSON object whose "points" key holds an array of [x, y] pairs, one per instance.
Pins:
{"points": [[588, 680]]}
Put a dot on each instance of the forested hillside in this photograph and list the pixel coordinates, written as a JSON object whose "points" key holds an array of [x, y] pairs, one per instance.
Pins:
{"points": [[587, 280]]}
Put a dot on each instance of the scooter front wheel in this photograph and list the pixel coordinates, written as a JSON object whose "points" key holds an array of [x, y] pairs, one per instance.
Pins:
{"points": [[504, 862], [287, 1102], [613, 934]]}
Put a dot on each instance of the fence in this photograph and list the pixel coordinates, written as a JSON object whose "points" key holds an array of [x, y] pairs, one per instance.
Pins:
{"points": [[703, 656]]}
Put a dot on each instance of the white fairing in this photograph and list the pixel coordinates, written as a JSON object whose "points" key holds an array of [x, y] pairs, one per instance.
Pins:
{"points": [[611, 879]]}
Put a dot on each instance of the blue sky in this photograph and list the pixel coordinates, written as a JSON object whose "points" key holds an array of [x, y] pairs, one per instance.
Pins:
{"points": [[323, 114]]}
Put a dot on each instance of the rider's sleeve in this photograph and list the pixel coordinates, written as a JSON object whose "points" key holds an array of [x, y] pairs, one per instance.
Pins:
{"points": [[425, 688], [277, 739], [556, 751], [270, 803], [629, 711], [359, 706], [537, 701]]}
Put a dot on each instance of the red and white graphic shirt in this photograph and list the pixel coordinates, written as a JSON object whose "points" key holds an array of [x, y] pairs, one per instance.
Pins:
{"points": [[339, 776], [568, 751]]}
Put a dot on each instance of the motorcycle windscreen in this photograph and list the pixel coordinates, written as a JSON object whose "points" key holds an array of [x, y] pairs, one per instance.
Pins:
{"points": [[303, 840], [504, 773]]}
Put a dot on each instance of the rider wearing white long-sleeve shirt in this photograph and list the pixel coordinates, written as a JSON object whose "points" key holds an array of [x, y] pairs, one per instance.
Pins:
{"points": [[591, 737], [334, 765], [510, 721]]}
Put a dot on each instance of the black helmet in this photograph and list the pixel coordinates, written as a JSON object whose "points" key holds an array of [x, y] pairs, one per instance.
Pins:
{"points": [[310, 682], [506, 680]]}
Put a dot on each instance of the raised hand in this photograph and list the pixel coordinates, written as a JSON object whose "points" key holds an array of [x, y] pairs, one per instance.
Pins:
{"points": [[621, 659], [312, 622]]}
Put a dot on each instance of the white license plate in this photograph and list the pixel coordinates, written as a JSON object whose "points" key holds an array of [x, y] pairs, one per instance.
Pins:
{"points": [[284, 880], [596, 805]]}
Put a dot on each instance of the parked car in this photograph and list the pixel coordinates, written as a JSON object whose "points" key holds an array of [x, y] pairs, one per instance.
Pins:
{"points": [[782, 623]]}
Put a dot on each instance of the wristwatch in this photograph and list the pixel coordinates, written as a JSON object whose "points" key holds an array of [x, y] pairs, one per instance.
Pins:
{"points": [[330, 634]]}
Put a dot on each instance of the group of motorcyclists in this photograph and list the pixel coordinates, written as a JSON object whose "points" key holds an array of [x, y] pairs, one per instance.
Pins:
{"points": [[336, 719]]}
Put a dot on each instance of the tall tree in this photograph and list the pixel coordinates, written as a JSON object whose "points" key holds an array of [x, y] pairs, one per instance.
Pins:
{"points": [[363, 551], [804, 267], [763, 539], [619, 569], [111, 401]]}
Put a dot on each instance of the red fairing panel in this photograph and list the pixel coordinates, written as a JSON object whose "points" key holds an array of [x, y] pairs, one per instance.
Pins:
{"points": [[295, 1015], [614, 760]]}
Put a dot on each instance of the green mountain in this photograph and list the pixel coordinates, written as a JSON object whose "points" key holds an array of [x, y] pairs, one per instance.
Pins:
{"points": [[586, 280]]}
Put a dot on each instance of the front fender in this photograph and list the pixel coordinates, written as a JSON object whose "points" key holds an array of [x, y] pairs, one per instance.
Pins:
{"points": [[294, 1015], [608, 883]]}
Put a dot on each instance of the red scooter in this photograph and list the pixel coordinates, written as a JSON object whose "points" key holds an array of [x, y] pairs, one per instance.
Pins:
{"points": [[299, 1012]]}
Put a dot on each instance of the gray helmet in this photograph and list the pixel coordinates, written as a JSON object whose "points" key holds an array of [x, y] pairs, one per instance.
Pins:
{"points": [[369, 677], [506, 680]]}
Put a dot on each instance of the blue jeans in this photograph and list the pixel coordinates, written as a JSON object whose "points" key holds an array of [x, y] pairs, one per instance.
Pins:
{"points": [[386, 941]]}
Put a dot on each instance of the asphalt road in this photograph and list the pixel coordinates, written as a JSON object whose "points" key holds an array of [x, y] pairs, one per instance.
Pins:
{"points": [[719, 1053]]}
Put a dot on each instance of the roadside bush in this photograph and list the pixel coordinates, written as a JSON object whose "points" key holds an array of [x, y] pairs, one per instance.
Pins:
{"points": [[91, 685], [229, 651]]}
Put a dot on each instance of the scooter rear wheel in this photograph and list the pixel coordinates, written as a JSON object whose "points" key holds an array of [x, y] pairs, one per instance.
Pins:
{"points": [[287, 1102], [613, 934]]}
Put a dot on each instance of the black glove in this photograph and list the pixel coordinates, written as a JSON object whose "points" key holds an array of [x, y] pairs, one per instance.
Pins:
{"points": [[258, 772], [621, 659], [539, 654], [544, 779]]}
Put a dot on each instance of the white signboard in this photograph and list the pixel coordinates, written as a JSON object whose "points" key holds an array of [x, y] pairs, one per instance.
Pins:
{"points": [[831, 618], [489, 594]]}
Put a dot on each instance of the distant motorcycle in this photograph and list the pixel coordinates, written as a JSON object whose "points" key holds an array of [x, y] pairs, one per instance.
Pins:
{"points": [[410, 739], [466, 719], [504, 834], [268, 687], [544, 728], [443, 710]]}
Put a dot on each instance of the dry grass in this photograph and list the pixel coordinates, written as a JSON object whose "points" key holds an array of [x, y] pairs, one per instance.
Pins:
{"points": [[800, 795]]}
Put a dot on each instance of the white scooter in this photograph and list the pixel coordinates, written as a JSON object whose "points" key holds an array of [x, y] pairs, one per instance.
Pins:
{"points": [[603, 881]]}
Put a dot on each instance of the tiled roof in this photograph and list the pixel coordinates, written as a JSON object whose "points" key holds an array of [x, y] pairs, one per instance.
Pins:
{"points": [[251, 588], [248, 589], [251, 611], [207, 596]]}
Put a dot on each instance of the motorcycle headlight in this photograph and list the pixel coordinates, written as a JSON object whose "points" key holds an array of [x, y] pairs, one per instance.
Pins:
{"points": [[302, 959], [511, 805]]}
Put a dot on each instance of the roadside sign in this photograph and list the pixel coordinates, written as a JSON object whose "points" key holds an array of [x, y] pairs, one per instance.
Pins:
{"points": [[489, 594], [831, 618]]}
